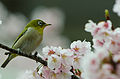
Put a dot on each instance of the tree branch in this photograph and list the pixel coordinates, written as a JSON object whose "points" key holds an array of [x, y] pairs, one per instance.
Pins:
{"points": [[34, 57]]}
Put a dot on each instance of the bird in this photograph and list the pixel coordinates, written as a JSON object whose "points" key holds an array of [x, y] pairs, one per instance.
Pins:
{"points": [[28, 40]]}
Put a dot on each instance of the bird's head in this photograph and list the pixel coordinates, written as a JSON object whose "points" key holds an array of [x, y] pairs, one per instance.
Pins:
{"points": [[37, 24]]}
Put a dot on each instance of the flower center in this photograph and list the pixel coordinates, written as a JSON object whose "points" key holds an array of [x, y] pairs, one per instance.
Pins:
{"points": [[54, 60], [76, 49], [51, 52], [76, 59]]}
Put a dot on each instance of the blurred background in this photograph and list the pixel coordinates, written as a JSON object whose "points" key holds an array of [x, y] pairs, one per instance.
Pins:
{"points": [[67, 17]]}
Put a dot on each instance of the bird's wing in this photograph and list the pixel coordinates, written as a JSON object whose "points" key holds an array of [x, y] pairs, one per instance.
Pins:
{"points": [[23, 32]]}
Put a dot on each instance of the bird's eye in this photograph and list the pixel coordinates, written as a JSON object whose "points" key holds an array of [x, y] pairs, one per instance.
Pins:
{"points": [[40, 23]]}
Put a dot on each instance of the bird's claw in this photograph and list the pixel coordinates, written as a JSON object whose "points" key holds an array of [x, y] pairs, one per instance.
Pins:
{"points": [[35, 54], [7, 53]]}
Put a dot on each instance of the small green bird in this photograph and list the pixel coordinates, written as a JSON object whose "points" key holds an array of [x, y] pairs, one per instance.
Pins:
{"points": [[29, 39]]}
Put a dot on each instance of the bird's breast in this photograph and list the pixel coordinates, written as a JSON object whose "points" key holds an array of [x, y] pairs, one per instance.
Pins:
{"points": [[29, 41]]}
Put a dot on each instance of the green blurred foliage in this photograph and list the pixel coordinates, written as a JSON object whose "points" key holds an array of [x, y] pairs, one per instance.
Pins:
{"points": [[77, 13]]}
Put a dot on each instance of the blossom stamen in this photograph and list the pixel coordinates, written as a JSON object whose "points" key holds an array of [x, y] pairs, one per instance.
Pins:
{"points": [[51, 52], [76, 49]]}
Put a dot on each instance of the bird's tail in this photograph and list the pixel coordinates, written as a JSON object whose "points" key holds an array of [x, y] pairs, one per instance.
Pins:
{"points": [[10, 57]]}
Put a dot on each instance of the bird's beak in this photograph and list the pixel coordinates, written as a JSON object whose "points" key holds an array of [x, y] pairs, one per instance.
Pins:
{"points": [[48, 24]]}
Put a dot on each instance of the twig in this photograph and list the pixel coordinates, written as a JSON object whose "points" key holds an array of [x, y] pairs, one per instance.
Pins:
{"points": [[36, 58], [107, 17]]}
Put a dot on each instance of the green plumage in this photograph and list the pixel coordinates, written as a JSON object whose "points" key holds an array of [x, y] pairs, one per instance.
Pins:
{"points": [[29, 39]]}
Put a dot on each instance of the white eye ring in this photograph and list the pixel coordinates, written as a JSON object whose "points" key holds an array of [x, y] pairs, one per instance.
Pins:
{"points": [[40, 23]]}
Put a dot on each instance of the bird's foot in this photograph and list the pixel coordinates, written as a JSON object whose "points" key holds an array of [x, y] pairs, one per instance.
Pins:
{"points": [[7, 53], [35, 54]]}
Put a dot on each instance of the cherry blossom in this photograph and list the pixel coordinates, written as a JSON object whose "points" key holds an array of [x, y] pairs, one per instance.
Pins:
{"points": [[103, 63], [80, 48], [54, 62], [116, 7], [51, 50]]}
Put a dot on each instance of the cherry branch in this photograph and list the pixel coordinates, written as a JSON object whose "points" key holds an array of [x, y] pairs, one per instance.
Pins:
{"points": [[33, 57]]}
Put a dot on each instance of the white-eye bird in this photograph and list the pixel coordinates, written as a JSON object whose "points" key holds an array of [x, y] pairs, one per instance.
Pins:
{"points": [[29, 39]]}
